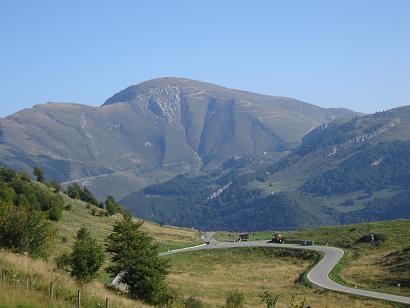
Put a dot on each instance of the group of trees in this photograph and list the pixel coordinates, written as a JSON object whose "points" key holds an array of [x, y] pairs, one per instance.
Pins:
{"points": [[26, 211], [134, 256], [75, 191]]}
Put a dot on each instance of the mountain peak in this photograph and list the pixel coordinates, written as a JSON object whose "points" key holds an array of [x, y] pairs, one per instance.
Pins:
{"points": [[162, 84]]}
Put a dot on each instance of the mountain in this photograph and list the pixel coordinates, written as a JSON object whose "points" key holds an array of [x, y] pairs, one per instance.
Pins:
{"points": [[343, 172], [153, 131]]}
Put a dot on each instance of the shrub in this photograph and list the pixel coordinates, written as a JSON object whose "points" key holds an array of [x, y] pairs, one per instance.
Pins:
{"points": [[39, 174], [25, 230], [68, 207], [270, 299], [86, 258], [235, 299], [193, 302]]}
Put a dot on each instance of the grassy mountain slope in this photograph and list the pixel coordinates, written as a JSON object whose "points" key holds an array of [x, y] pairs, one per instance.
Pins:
{"points": [[153, 131], [378, 266], [342, 173], [253, 271], [63, 217]]}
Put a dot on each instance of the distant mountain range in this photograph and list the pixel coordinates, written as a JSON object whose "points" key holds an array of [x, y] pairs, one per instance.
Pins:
{"points": [[154, 131], [343, 172]]}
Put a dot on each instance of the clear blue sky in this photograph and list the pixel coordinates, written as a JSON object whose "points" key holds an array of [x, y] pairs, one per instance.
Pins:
{"points": [[354, 54]]}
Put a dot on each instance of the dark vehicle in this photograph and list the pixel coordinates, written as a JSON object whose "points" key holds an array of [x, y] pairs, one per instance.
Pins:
{"points": [[243, 237], [278, 239], [308, 243]]}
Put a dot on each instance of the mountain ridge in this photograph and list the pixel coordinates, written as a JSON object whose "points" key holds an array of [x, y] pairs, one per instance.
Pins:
{"points": [[345, 172], [154, 131]]}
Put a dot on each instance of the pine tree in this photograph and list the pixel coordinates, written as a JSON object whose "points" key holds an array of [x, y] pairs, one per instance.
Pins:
{"points": [[136, 257]]}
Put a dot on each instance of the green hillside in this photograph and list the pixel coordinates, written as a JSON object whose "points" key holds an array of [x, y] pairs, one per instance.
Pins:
{"points": [[380, 266], [343, 172], [38, 223]]}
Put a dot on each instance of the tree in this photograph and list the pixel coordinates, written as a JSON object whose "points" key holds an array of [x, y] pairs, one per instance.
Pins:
{"points": [[86, 258], [235, 299], [270, 299], [25, 230], [135, 258], [112, 206], [39, 174]]}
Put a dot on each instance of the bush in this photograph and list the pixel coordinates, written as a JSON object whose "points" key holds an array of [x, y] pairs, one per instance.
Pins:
{"points": [[193, 302], [68, 207], [55, 185], [235, 299], [39, 174], [112, 206], [25, 230], [86, 258], [270, 299]]}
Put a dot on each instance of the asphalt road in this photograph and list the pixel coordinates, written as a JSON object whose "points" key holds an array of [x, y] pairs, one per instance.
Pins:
{"points": [[318, 275]]}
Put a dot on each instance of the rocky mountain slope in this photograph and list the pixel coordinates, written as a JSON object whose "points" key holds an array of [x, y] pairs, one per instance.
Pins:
{"points": [[151, 132], [344, 172]]}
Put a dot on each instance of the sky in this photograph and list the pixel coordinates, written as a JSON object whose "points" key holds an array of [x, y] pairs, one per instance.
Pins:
{"points": [[354, 54]]}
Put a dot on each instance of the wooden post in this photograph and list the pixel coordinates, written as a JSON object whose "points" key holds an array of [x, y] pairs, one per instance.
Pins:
{"points": [[78, 299], [4, 276], [27, 283], [107, 303], [51, 290]]}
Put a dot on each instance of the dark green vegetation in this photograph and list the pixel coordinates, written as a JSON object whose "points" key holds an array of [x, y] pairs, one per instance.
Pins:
{"points": [[379, 265], [28, 224], [343, 172], [75, 191], [85, 259], [26, 212], [153, 131], [135, 256]]}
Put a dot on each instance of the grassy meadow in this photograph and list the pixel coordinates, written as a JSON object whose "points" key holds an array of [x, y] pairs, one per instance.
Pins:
{"points": [[210, 275], [41, 272], [379, 267]]}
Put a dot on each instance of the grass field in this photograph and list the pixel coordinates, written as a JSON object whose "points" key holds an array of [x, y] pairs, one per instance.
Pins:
{"points": [[12, 294], [210, 275], [366, 265], [100, 226], [41, 273]]}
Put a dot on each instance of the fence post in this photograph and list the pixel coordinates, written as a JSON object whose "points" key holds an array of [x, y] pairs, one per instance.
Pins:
{"points": [[51, 290], [107, 303], [78, 299], [27, 283]]}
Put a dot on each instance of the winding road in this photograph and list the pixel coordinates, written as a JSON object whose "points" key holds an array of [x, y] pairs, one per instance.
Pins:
{"points": [[318, 275]]}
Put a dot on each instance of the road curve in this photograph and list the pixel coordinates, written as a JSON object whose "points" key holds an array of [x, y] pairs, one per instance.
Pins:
{"points": [[318, 275]]}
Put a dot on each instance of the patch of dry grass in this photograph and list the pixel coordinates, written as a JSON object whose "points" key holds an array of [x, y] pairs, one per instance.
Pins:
{"points": [[210, 275], [366, 271], [101, 226], [41, 274]]}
